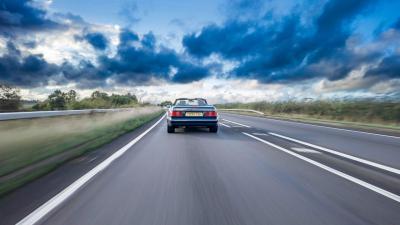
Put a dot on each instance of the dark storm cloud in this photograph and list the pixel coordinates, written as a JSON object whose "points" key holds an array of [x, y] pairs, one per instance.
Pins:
{"points": [[188, 73], [388, 67], [22, 15], [27, 71], [149, 40], [133, 64], [97, 40], [127, 37], [138, 63], [284, 49], [85, 74]]}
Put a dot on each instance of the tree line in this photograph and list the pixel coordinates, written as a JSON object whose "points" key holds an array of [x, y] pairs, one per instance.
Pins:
{"points": [[59, 100], [10, 100]]}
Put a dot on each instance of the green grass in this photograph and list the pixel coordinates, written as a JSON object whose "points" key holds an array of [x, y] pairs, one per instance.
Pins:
{"points": [[354, 113], [343, 124], [47, 142]]}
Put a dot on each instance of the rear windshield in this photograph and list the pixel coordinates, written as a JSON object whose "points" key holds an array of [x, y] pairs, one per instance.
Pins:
{"points": [[190, 102]]}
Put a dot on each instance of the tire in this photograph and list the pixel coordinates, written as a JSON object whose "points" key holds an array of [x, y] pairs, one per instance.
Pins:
{"points": [[213, 129], [171, 129]]}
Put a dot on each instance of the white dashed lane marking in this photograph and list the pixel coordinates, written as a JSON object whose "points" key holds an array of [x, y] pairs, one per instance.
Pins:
{"points": [[305, 150], [260, 134], [242, 125], [224, 125]]}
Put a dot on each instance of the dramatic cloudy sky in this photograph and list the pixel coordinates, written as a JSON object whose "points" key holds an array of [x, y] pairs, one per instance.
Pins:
{"points": [[224, 50]]}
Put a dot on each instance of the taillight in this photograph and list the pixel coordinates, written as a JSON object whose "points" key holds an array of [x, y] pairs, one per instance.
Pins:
{"points": [[175, 114], [211, 114]]}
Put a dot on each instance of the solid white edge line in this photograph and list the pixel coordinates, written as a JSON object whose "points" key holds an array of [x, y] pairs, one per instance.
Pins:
{"points": [[367, 162], [54, 202], [236, 123], [329, 169], [224, 125]]}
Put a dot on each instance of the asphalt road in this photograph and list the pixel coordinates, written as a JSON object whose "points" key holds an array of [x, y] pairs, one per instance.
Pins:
{"points": [[244, 174]]}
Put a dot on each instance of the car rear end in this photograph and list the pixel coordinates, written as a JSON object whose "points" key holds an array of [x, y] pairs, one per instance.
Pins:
{"points": [[192, 116]]}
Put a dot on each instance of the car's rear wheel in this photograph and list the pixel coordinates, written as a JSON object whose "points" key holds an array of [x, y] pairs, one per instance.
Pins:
{"points": [[213, 129], [171, 129]]}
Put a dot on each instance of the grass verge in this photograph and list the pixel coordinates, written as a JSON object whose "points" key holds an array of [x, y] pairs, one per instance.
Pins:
{"points": [[31, 148], [355, 113], [334, 123]]}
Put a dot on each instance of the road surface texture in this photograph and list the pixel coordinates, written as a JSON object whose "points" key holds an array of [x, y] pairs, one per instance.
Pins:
{"points": [[253, 171]]}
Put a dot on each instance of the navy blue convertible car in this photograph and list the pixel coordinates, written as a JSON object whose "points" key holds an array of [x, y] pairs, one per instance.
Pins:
{"points": [[192, 112]]}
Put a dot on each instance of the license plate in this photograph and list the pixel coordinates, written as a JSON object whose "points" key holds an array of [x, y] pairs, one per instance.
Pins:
{"points": [[193, 114]]}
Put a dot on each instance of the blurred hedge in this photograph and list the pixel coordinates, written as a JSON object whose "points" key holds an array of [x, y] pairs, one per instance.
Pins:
{"points": [[354, 111]]}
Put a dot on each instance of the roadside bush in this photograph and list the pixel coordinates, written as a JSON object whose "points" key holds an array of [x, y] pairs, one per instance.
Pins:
{"points": [[10, 100], [59, 100]]}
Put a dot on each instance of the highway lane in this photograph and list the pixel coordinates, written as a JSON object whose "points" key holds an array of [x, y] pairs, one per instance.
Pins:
{"points": [[198, 177], [381, 149]]}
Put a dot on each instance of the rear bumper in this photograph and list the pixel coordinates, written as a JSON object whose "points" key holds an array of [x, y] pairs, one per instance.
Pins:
{"points": [[192, 122]]}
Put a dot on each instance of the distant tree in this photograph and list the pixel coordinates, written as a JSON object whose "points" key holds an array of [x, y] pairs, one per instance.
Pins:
{"points": [[99, 95], [165, 103], [133, 98], [118, 100], [41, 106], [57, 100], [71, 96], [10, 100]]}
